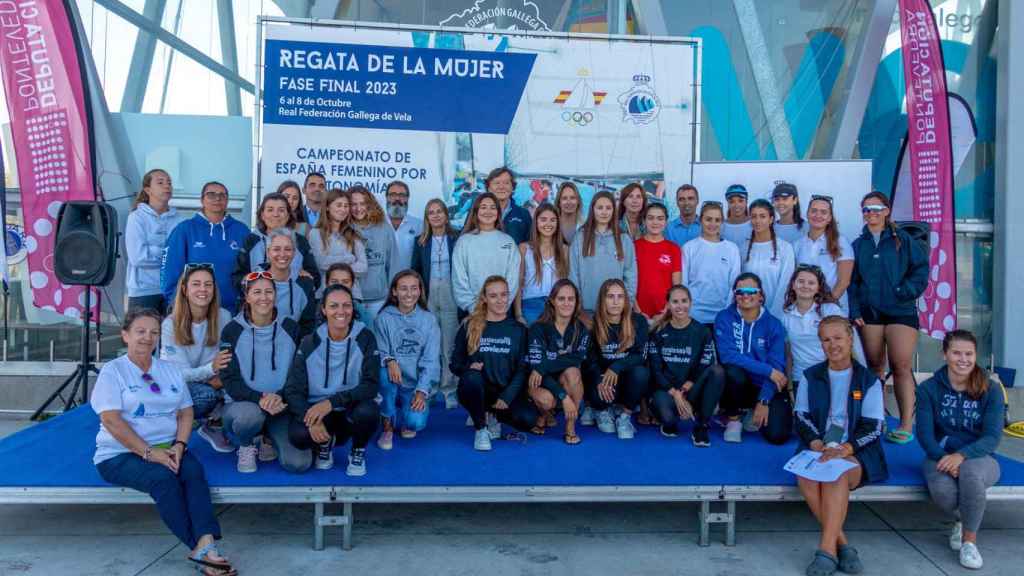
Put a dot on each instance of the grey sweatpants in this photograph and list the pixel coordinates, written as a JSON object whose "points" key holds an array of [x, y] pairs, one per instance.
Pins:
{"points": [[963, 497]]}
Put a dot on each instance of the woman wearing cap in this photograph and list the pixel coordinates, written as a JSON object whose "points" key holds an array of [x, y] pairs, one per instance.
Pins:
{"points": [[789, 224], [274, 212], [736, 228], [890, 273], [712, 265], [839, 412], [767, 256], [751, 346], [145, 423], [959, 425], [823, 246], [263, 342]]}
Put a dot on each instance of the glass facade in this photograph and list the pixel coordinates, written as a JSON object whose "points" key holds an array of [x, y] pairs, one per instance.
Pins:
{"points": [[786, 79]]}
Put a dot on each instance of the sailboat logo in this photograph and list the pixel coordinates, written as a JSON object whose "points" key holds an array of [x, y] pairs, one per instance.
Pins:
{"points": [[640, 104], [579, 104]]}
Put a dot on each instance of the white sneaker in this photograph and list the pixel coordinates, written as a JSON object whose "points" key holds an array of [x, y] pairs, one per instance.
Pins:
{"points": [[956, 537], [605, 421], [482, 440], [386, 440], [493, 426], [267, 451], [325, 455], [247, 459], [624, 427], [356, 462], [970, 557], [587, 416], [734, 431], [469, 421]]}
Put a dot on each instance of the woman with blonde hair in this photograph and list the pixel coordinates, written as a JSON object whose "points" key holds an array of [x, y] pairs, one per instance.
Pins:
{"points": [[334, 239], [569, 204], [381, 249]]}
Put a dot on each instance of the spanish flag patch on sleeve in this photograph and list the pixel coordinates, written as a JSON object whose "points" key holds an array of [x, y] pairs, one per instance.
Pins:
{"points": [[858, 395]]}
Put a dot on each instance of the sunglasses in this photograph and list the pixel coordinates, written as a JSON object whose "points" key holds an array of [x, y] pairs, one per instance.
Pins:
{"points": [[822, 197], [198, 266], [872, 209], [746, 291], [257, 275], [216, 195], [808, 268], [153, 386], [711, 203]]}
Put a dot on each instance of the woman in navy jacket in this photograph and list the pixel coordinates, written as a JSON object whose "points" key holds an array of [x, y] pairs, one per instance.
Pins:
{"points": [[890, 273], [851, 430]]}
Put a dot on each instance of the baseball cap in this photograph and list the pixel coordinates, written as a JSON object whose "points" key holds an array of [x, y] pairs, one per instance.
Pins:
{"points": [[736, 190], [784, 189]]}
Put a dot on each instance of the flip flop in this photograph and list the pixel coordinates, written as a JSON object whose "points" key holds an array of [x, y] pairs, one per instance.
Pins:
{"points": [[537, 430], [899, 437], [572, 439], [203, 565], [1015, 429]]}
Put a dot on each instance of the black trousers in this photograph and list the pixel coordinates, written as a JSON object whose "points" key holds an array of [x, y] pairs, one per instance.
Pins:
{"points": [[633, 386], [740, 393], [477, 395], [357, 421], [704, 397]]}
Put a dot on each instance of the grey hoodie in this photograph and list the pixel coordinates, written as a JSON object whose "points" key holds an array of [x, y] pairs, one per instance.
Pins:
{"points": [[589, 272], [345, 372], [381, 256], [261, 356], [145, 240], [413, 340]]}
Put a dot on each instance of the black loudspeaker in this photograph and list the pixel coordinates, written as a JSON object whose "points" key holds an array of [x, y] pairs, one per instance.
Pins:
{"points": [[86, 244]]}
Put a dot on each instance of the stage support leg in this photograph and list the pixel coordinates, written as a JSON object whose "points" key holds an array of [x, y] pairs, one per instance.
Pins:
{"points": [[706, 518], [318, 527], [346, 530], [322, 520]]}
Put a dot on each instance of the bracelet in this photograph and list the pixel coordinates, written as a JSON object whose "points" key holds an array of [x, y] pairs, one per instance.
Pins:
{"points": [[147, 453], [184, 444]]}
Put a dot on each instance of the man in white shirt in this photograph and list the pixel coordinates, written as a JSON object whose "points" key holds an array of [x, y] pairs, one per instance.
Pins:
{"points": [[407, 228]]}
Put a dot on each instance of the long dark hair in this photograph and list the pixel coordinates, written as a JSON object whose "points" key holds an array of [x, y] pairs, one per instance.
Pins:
{"points": [[625, 193], [548, 316], [561, 257], [392, 299], [590, 227], [472, 223], [888, 219], [764, 205], [628, 332], [182, 313], [831, 229], [822, 296], [667, 316], [977, 382], [324, 224], [748, 276], [300, 209], [709, 206], [274, 197]]}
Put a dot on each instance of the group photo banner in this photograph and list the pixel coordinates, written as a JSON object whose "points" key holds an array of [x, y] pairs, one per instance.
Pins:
{"points": [[438, 109]]}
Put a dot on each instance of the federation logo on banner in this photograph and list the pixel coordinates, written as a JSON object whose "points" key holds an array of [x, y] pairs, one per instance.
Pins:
{"points": [[579, 103], [496, 15], [640, 104]]}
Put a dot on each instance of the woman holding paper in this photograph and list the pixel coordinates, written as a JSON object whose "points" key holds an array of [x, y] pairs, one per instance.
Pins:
{"points": [[839, 412]]}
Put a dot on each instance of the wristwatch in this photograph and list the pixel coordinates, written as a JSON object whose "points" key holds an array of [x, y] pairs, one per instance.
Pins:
{"points": [[184, 445]]}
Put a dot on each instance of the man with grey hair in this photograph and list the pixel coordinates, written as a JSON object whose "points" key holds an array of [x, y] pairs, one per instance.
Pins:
{"points": [[407, 228]]}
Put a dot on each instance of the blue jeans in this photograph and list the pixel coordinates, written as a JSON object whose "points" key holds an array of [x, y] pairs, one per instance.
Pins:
{"points": [[183, 500], [532, 309], [395, 405], [243, 421], [204, 399]]}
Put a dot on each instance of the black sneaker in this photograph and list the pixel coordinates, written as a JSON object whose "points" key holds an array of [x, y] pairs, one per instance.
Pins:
{"points": [[669, 431], [356, 462], [700, 436], [325, 455]]}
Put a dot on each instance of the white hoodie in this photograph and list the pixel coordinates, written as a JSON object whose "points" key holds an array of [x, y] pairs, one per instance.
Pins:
{"points": [[145, 239], [774, 270], [710, 270], [478, 255]]}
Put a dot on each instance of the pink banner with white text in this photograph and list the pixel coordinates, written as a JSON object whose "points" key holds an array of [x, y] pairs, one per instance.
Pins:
{"points": [[46, 101], [931, 164]]}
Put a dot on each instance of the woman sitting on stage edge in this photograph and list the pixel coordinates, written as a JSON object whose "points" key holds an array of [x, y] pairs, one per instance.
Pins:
{"points": [[145, 423], [839, 412]]}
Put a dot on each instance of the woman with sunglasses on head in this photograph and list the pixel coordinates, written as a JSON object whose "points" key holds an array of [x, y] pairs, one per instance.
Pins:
{"points": [[959, 424], [409, 343], [770, 258], [332, 385], [545, 260], [808, 301], [263, 342], [890, 273], [482, 251], [712, 265], [751, 346], [569, 204], [292, 192], [687, 381], [490, 361], [189, 339], [296, 297], [274, 213], [839, 412], [789, 222], [334, 240], [617, 376], [658, 261], [432, 260], [825, 248], [632, 206], [381, 248], [145, 238], [145, 422], [600, 251], [559, 341]]}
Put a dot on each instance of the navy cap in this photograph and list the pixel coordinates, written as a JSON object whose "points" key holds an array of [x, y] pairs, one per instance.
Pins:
{"points": [[736, 190], [784, 189]]}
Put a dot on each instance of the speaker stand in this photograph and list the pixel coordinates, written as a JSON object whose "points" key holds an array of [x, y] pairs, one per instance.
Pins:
{"points": [[79, 379]]}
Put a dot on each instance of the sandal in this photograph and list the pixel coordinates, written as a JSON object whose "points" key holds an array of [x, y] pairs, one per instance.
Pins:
{"points": [[824, 564], [549, 419], [899, 436], [572, 439], [537, 430], [205, 566]]}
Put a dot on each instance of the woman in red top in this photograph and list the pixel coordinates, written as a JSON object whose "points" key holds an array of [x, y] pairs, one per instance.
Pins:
{"points": [[659, 263]]}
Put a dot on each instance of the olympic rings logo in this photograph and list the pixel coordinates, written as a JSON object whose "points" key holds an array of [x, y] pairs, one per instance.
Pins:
{"points": [[577, 118]]}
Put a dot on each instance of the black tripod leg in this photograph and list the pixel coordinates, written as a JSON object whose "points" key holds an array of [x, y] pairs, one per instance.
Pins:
{"points": [[73, 378]]}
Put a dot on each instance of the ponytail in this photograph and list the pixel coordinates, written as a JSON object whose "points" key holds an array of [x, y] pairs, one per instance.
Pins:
{"points": [[143, 197]]}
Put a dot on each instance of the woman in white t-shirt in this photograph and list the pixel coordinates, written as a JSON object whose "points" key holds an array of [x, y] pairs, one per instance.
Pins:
{"points": [[545, 260], [768, 256], [145, 422], [808, 301], [824, 247], [712, 265]]}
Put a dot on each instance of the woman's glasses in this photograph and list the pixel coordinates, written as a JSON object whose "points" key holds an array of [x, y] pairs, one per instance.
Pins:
{"points": [[872, 209], [746, 291], [153, 386]]}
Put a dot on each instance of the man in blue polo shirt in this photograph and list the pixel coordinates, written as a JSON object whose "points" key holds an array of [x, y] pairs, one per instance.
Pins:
{"points": [[687, 226], [515, 220]]}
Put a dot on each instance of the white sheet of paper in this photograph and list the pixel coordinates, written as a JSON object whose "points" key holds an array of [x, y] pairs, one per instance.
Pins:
{"points": [[806, 465]]}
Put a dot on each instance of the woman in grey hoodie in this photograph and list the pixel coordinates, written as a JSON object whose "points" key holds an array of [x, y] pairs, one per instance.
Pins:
{"points": [[482, 251], [145, 239], [381, 249], [408, 339], [601, 251]]}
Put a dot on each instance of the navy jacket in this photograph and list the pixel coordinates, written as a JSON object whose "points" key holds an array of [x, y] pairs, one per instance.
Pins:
{"points": [[678, 356], [502, 350], [949, 421], [757, 348], [601, 358], [345, 372], [865, 434], [421, 258], [517, 222], [552, 353], [888, 280]]}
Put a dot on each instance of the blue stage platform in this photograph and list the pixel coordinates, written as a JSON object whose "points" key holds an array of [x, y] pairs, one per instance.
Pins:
{"points": [[52, 462]]}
